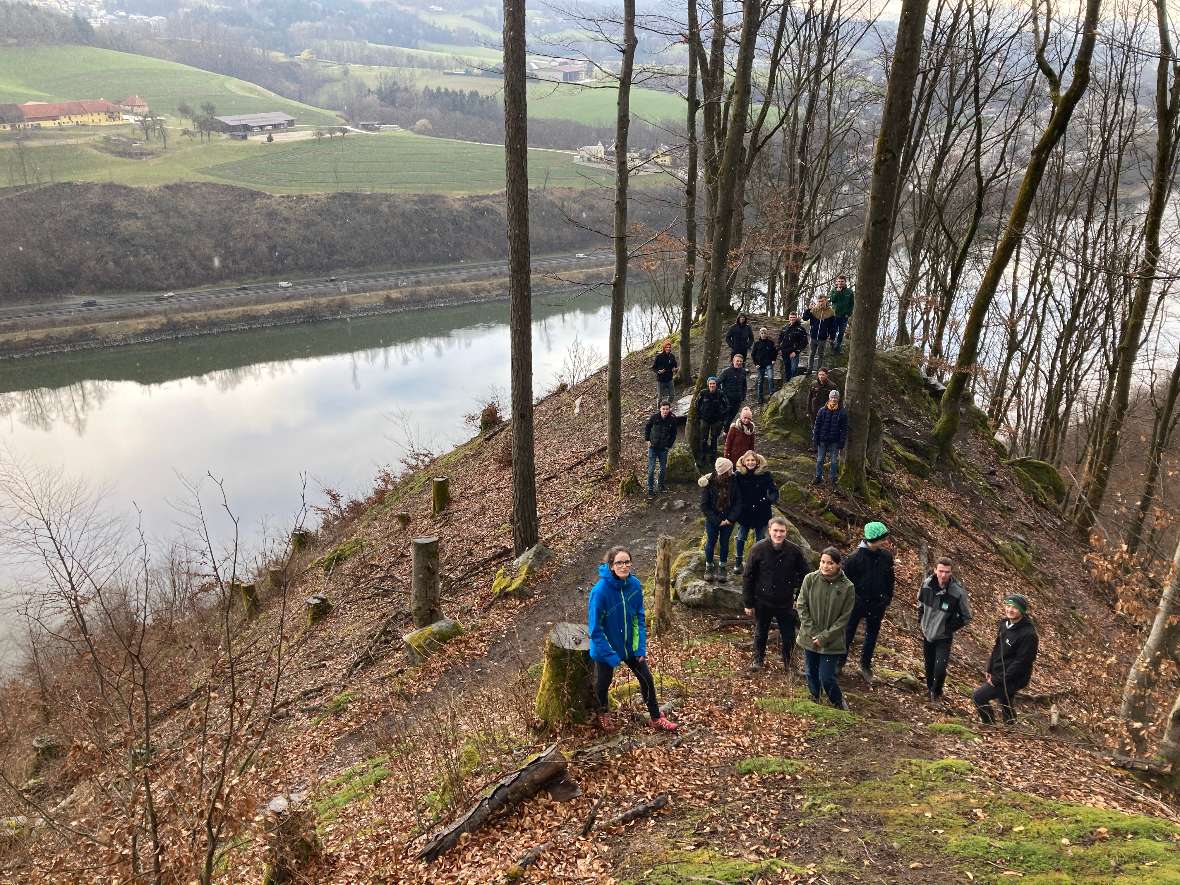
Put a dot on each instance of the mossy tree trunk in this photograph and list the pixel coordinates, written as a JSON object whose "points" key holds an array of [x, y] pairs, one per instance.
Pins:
{"points": [[1063, 107], [424, 583], [440, 494], [566, 693], [661, 609], [690, 212]]}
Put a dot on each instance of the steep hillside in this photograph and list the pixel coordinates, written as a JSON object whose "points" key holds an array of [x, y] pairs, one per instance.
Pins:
{"points": [[761, 784]]}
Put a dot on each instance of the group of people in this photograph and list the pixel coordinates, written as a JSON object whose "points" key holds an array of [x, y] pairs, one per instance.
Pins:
{"points": [[818, 611]]}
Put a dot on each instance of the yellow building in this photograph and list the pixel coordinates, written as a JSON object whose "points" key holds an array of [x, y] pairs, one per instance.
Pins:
{"points": [[53, 115]]}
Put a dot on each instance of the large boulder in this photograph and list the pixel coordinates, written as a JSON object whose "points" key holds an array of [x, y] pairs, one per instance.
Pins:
{"points": [[786, 412], [682, 468], [1039, 479], [698, 593]]}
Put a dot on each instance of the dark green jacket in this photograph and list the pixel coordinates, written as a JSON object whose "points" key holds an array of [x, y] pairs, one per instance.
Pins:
{"points": [[824, 606], [842, 301]]}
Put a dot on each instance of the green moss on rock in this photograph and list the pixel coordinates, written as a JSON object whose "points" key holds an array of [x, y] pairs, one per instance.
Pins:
{"points": [[682, 469], [425, 641], [1039, 479], [954, 729], [341, 553], [507, 582], [702, 865], [827, 716]]}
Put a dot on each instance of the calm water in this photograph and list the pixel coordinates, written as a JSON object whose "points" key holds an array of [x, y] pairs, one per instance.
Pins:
{"points": [[335, 401]]}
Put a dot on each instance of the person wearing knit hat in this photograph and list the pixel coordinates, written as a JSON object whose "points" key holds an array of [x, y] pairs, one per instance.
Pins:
{"points": [[712, 410], [829, 433], [665, 366], [1009, 669], [721, 503], [764, 354], [870, 569]]}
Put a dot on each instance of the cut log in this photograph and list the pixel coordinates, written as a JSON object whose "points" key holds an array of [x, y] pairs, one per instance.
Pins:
{"points": [[424, 583], [567, 680], [440, 494], [291, 840], [248, 596], [508, 792], [425, 641], [641, 810], [275, 579], [318, 607], [1054, 718], [661, 610]]}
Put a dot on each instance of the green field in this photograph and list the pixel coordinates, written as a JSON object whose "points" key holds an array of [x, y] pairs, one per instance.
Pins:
{"points": [[390, 162], [59, 73]]}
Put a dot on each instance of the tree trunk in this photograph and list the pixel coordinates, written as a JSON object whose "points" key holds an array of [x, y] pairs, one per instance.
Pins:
{"points": [[618, 292], [440, 494], [1167, 110], [1063, 107], [661, 609], [525, 528], [1161, 434], [424, 582], [566, 693], [690, 216], [877, 242]]}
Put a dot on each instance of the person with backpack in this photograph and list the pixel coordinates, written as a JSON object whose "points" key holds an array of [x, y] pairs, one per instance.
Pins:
{"points": [[740, 437], [664, 366], [770, 584], [712, 412], [824, 605], [870, 568], [792, 341], [829, 433], [758, 492], [660, 433], [943, 610], [618, 635], [1010, 667], [721, 504], [842, 299], [823, 328], [764, 354], [733, 382], [739, 337]]}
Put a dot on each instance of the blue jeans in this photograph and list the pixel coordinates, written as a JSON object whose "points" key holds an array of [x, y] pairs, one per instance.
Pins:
{"points": [[656, 456], [841, 326], [713, 532], [767, 373], [823, 450], [821, 671], [790, 366], [743, 532]]}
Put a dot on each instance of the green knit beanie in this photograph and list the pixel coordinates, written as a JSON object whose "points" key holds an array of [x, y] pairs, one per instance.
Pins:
{"points": [[1021, 602], [875, 531]]}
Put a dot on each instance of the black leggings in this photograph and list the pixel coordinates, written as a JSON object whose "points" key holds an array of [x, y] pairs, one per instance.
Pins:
{"points": [[603, 673]]}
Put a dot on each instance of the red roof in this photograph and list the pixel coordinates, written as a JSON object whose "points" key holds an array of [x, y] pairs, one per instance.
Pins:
{"points": [[35, 111], [133, 101]]}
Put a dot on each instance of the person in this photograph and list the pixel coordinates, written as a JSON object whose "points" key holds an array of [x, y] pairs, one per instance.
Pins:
{"points": [[817, 396], [770, 584], [943, 609], [828, 435], [712, 411], [870, 569], [740, 437], [823, 325], [764, 354], [759, 492], [1010, 667], [660, 433], [824, 605], [792, 341], [733, 383], [721, 503], [665, 366], [618, 635], [740, 336], [841, 298]]}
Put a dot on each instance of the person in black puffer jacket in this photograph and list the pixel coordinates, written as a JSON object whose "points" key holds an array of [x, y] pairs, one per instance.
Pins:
{"points": [[829, 433], [660, 433], [721, 503], [870, 569], [733, 382], [774, 572], [712, 416], [764, 354], [759, 493], [1011, 665], [740, 336], [664, 366], [792, 341]]}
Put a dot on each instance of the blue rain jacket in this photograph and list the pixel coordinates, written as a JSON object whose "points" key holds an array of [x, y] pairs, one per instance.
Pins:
{"points": [[617, 628]]}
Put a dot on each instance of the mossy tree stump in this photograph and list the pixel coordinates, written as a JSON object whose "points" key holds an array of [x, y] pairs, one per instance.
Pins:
{"points": [[291, 839], [300, 539], [248, 595], [566, 693], [318, 607], [440, 494], [661, 609], [424, 583]]}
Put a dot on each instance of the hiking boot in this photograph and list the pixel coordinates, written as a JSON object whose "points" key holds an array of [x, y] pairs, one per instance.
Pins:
{"points": [[664, 724], [605, 722], [818, 481], [710, 571], [814, 697], [737, 567], [866, 674], [843, 705], [755, 665], [722, 574]]}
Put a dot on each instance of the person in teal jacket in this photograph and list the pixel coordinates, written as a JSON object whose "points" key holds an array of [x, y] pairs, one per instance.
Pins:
{"points": [[618, 635]]}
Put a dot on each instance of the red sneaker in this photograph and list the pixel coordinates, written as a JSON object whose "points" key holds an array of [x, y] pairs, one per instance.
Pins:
{"points": [[664, 724], [605, 722]]}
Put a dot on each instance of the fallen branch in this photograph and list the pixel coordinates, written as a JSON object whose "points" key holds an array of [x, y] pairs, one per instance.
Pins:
{"points": [[385, 633], [641, 810], [565, 469], [1150, 766], [509, 791], [591, 818]]}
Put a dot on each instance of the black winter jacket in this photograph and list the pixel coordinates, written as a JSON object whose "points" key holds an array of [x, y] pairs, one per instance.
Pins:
{"points": [[792, 339], [739, 337], [871, 573], [817, 397], [759, 492], [772, 577], [664, 366], [661, 431], [764, 352], [831, 426], [709, 499], [1014, 654], [712, 407], [733, 382]]}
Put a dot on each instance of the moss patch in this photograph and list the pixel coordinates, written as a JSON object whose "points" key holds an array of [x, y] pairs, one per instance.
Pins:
{"points": [[350, 785], [807, 709], [767, 765], [908, 461], [702, 865], [955, 730], [1015, 554], [665, 685], [506, 583], [341, 553], [1039, 478]]}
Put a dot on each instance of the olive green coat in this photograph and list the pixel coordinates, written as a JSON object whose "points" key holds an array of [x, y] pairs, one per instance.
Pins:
{"points": [[824, 606]]}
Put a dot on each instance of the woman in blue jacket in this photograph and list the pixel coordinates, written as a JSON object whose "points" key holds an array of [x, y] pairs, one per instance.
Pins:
{"points": [[618, 635]]}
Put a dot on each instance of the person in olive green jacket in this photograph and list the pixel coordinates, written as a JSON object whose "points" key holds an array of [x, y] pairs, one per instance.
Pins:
{"points": [[842, 299], [825, 604]]}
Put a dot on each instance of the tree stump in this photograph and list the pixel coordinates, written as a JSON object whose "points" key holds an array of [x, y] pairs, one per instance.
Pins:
{"points": [[440, 494], [291, 839], [424, 583], [275, 578], [318, 607], [425, 641], [567, 680], [661, 609], [403, 519], [300, 539], [248, 595]]}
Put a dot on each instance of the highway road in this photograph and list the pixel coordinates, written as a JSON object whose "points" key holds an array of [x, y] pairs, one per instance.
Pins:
{"points": [[330, 285]]}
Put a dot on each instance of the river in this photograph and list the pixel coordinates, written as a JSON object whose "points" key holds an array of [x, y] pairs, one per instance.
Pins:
{"points": [[334, 402]]}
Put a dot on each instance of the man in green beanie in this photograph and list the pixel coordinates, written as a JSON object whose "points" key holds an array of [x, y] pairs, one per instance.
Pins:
{"points": [[870, 568], [1010, 667]]}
